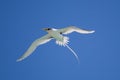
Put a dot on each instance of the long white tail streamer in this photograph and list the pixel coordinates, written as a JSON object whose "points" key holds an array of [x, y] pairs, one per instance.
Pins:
{"points": [[73, 52]]}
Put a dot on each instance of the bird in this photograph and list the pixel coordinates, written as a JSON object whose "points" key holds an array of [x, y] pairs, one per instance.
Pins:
{"points": [[59, 36]]}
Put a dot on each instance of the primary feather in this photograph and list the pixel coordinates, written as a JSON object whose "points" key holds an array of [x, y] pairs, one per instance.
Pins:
{"points": [[71, 29], [34, 45]]}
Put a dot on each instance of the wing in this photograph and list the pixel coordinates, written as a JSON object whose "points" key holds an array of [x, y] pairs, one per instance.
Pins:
{"points": [[71, 29], [34, 45]]}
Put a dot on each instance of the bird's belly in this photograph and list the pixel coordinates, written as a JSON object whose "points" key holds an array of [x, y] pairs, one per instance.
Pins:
{"points": [[57, 36], [60, 39]]}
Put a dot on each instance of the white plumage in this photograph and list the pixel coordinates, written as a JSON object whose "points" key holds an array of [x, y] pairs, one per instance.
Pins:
{"points": [[55, 34]]}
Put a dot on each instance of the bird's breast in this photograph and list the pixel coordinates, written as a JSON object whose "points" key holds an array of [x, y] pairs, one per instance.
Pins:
{"points": [[60, 39], [56, 35]]}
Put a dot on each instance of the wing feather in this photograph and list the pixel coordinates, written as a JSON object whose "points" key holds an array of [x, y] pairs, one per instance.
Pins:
{"points": [[34, 45], [71, 29]]}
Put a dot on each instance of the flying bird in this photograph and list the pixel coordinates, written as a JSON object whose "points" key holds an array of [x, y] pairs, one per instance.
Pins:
{"points": [[58, 35]]}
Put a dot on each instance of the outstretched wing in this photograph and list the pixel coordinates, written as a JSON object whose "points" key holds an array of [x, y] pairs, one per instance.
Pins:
{"points": [[71, 29], [34, 45]]}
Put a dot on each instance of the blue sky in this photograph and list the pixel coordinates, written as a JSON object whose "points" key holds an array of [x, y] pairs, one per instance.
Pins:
{"points": [[22, 22]]}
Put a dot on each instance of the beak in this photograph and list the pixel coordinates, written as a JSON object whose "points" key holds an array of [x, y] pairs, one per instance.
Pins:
{"points": [[44, 29]]}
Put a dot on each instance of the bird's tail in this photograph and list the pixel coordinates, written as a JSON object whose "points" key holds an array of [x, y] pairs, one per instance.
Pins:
{"points": [[73, 52]]}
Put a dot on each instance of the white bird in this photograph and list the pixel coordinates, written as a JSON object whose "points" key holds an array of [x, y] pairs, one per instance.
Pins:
{"points": [[55, 34]]}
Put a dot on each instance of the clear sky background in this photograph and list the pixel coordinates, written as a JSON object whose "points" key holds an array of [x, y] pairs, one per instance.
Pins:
{"points": [[22, 22]]}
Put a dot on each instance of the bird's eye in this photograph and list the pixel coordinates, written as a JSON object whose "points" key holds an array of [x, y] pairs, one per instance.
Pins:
{"points": [[49, 28]]}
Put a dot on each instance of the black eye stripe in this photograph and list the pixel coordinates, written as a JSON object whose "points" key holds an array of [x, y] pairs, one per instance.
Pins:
{"points": [[49, 28], [60, 32]]}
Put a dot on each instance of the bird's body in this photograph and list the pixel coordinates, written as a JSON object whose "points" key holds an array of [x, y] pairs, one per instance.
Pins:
{"points": [[60, 39], [54, 34]]}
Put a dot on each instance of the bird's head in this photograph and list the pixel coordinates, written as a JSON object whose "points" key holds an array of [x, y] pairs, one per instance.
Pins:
{"points": [[48, 29]]}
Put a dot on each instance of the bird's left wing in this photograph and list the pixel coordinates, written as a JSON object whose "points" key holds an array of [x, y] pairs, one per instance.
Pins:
{"points": [[71, 29], [34, 45]]}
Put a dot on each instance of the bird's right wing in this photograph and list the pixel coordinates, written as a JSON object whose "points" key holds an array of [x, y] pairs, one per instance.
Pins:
{"points": [[71, 29], [34, 45]]}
